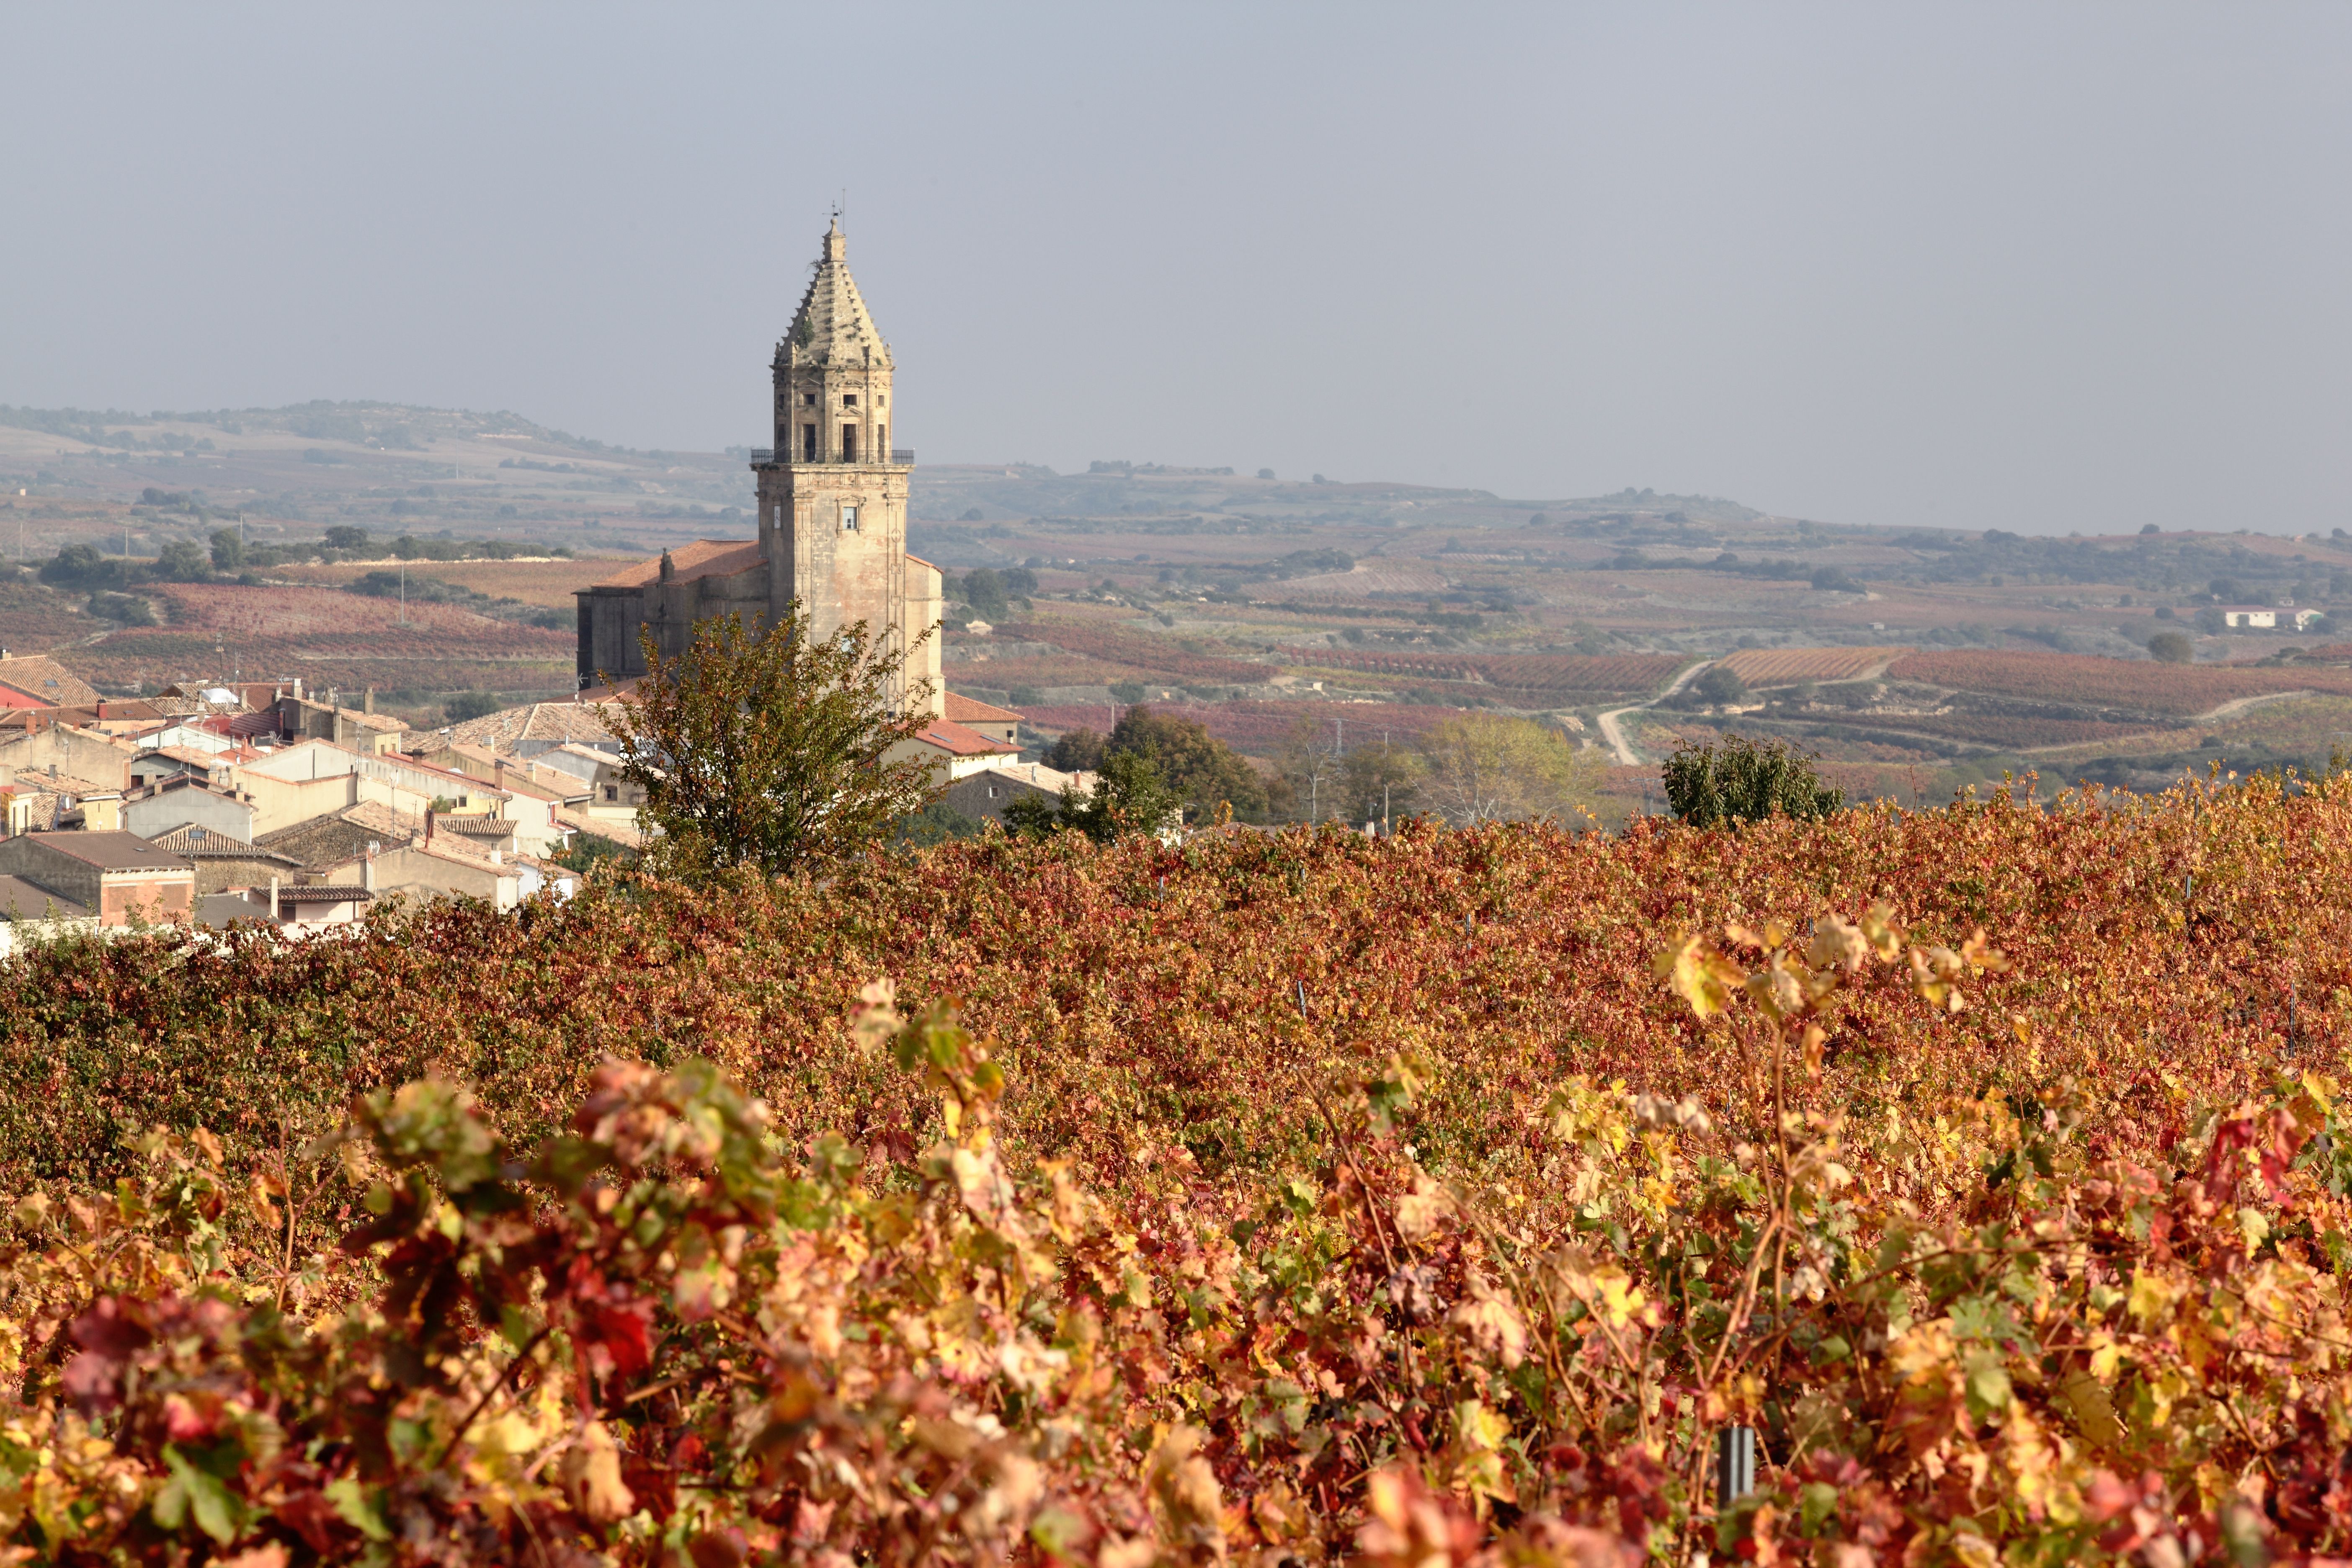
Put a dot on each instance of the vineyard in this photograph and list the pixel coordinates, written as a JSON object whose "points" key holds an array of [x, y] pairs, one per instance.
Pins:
{"points": [[2147, 686], [1786, 666], [1260, 728], [1561, 677], [1138, 651], [1289, 1198], [328, 638]]}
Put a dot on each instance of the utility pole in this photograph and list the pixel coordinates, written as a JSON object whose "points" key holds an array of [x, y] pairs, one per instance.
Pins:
{"points": [[403, 593]]}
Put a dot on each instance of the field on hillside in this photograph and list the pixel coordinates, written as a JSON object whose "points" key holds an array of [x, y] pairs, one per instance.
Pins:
{"points": [[2147, 686], [548, 584], [1164, 657], [1262, 729], [1291, 1197], [329, 638], [1567, 674], [32, 620], [1786, 665]]}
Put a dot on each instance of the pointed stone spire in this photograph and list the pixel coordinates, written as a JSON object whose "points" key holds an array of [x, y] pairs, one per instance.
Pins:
{"points": [[832, 326]]}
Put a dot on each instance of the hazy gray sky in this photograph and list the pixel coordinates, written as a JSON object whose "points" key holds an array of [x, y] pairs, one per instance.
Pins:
{"points": [[2039, 267]]}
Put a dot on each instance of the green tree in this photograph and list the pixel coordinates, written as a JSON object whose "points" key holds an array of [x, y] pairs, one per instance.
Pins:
{"points": [[1078, 751], [770, 752], [983, 590], [79, 566], [1130, 796], [1204, 772], [2171, 648], [229, 551], [1381, 781], [345, 537], [1718, 684], [1741, 780], [183, 561]]}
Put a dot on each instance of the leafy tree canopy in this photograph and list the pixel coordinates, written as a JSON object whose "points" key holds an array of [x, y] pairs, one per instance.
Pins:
{"points": [[770, 752], [1484, 767], [1737, 779]]}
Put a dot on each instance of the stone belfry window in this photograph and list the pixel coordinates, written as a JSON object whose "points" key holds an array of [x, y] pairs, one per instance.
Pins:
{"points": [[849, 443], [849, 520]]}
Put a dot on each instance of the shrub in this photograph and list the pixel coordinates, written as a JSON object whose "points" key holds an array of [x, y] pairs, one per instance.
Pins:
{"points": [[2171, 648]]}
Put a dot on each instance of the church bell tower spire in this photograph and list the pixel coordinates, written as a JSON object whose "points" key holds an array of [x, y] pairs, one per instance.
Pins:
{"points": [[833, 494]]}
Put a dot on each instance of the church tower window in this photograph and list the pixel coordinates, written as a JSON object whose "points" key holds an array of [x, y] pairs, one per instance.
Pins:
{"points": [[849, 520], [849, 443], [808, 443]]}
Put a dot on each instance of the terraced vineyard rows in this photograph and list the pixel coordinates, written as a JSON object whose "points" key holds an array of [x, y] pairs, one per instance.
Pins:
{"points": [[1786, 665], [2146, 687], [1985, 729]]}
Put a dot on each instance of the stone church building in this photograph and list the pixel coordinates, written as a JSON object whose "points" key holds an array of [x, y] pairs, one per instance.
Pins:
{"points": [[833, 513]]}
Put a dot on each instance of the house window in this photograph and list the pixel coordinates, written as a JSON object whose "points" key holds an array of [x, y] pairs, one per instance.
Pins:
{"points": [[808, 443], [849, 520], [849, 443], [612, 792]]}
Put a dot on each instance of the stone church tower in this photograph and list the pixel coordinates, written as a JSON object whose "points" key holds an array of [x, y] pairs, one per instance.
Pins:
{"points": [[833, 511]]}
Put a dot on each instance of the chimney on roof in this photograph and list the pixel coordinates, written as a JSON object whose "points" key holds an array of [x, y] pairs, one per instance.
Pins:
{"points": [[367, 870], [273, 897], [367, 702], [429, 814], [668, 568]]}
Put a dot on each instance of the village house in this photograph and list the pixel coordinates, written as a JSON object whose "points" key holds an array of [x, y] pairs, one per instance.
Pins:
{"points": [[984, 794], [119, 876], [360, 730], [31, 914], [40, 682], [316, 778], [51, 749], [226, 865]]}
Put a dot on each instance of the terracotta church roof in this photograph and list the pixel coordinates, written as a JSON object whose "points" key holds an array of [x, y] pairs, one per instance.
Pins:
{"points": [[703, 558]]}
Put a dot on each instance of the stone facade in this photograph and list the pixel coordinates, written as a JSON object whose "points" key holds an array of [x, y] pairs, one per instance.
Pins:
{"points": [[832, 511]]}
